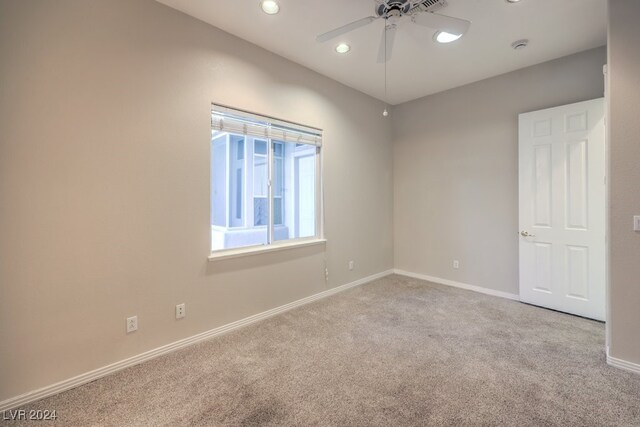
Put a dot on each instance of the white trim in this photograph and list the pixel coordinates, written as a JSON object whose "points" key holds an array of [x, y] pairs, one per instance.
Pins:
{"points": [[460, 285], [623, 364], [254, 250], [81, 379]]}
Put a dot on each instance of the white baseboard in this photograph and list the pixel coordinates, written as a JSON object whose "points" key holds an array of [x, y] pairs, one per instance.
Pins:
{"points": [[70, 383], [459, 285], [623, 364]]}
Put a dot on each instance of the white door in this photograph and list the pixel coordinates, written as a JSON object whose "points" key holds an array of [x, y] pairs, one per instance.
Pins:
{"points": [[562, 208]]}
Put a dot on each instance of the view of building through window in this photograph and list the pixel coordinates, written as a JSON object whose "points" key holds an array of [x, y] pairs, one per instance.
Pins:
{"points": [[263, 189]]}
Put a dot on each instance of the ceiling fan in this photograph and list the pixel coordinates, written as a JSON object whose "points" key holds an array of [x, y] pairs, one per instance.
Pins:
{"points": [[421, 12]]}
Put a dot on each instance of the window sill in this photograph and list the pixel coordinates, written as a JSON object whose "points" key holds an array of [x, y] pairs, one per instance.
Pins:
{"points": [[255, 250]]}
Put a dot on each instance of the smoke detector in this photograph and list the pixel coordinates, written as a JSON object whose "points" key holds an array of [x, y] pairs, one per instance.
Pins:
{"points": [[520, 44]]}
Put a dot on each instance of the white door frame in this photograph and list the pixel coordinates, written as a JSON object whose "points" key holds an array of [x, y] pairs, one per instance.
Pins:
{"points": [[607, 166]]}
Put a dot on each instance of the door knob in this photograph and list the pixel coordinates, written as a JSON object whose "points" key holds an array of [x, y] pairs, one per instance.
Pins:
{"points": [[526, 234]]}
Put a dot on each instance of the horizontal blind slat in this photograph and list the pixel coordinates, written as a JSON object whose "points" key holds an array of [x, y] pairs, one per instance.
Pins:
{"points": [[226, 120]]}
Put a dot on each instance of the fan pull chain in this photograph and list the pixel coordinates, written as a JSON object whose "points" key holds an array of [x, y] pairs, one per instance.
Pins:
{"points": [[385, 113]]}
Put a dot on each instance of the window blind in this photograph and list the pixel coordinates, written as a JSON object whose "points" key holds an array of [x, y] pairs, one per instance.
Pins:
{"points": [[226, 119]]}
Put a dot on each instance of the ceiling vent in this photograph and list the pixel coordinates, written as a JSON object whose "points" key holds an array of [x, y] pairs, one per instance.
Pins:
{"points": [[429, 5]]}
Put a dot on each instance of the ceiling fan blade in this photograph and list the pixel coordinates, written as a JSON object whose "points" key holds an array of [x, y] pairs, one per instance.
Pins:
{"points": [[448, 24], [345, 29], [386, 49]]}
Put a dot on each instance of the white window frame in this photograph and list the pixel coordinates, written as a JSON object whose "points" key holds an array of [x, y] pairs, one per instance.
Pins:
{"points": [[278, 124]]}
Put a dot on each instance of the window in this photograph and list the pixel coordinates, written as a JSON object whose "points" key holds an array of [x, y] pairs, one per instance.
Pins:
{"points": [[265, 181]]}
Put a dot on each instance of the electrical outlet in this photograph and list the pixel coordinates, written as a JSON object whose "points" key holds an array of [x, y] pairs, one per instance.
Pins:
{"points": [[351, 265], [181, 311], [456, 264], [132, 324]]}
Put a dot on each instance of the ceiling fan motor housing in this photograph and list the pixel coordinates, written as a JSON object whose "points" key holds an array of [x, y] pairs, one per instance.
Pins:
{"points": [[384, 8]]}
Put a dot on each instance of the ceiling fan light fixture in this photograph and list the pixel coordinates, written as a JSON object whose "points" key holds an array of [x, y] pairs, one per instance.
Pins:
{"points": [[343, 48], [270, 7], [444, 37]]}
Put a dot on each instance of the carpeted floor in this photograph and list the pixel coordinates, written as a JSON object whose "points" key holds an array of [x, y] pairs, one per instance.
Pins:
{"points": [[398, 351]]}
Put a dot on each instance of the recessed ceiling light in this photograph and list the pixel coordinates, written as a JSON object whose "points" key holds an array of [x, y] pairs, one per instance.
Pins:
{"points": [[343, 48], [444, 37], [270, 7], [513, 1]]}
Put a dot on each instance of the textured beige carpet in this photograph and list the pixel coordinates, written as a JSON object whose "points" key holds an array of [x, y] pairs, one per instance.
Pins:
{"points": [[398, 351]]}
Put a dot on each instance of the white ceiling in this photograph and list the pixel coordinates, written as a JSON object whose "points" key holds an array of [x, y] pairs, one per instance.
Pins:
{"points": [[419, 66]]}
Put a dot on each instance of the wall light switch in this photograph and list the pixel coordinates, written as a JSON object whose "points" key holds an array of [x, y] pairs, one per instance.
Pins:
{"points": [[636, 223]]}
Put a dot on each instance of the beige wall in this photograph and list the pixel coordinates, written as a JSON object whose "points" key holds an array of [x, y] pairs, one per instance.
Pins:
{"points": [[456, 169], [624, 141], [104, 183]]}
